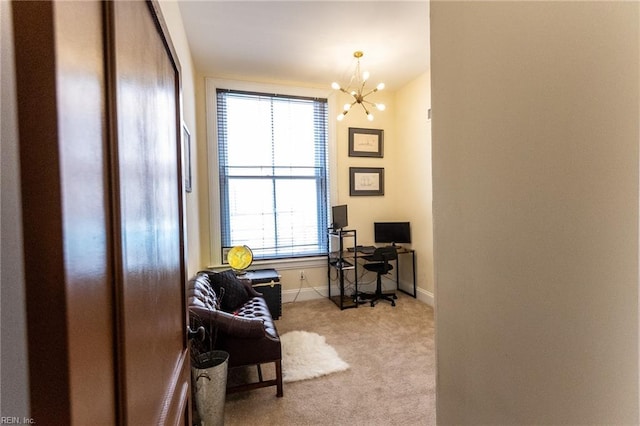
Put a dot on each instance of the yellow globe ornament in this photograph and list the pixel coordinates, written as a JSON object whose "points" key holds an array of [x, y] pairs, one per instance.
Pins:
{"points": [[239, 258]]}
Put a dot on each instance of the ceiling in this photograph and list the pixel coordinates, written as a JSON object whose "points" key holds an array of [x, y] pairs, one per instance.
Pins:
{"points": [[308, 42]]}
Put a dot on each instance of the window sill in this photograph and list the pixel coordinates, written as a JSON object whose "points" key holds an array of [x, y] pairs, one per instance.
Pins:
{"points": [[283, 264]]}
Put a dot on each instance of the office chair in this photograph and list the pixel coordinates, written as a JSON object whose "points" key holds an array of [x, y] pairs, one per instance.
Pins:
{"points": [[381, 266]]}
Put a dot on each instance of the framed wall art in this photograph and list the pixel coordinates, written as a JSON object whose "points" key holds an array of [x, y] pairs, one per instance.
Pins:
{"points": [[366, 181], [366, 142], [186, 136]]}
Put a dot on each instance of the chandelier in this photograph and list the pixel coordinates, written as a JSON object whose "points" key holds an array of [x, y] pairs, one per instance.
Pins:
{"points": [[358, 92]]}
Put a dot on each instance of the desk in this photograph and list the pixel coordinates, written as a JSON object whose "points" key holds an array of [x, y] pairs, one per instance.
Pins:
{"points": [[402, 252], [337, 244]]}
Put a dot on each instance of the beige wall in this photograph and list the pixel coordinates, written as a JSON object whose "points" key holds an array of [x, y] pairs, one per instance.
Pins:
{"points": [[290, 269], [363, 211], [173, 18], [413, 194], [399, 157], [535, 159]]}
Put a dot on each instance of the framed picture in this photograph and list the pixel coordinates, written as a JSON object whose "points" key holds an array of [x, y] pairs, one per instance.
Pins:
{"points": [[366, 181], [225, 252], [366, 142], [186, 136]]}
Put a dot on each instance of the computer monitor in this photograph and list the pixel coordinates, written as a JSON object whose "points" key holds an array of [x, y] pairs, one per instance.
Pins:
{"points": [[392, 232], [339, 218]]}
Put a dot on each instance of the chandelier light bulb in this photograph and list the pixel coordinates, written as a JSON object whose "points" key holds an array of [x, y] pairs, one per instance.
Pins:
{"points": [[335, 86], [340, 117], [380, 107], [365, 76], [370, 117], [380, 86], [347, 107]]}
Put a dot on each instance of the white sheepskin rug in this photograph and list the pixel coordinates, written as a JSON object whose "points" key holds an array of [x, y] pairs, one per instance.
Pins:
{"points": [[307, 355]]}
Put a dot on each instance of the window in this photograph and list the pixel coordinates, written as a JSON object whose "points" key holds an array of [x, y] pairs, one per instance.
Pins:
{"points": [[273, 173]]}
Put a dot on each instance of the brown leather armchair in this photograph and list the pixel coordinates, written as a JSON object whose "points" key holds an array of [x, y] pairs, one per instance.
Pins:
{"points": [[236, 319]]}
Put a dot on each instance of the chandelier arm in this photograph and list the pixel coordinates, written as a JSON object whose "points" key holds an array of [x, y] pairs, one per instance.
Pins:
{"points": [[370, 92], [365, 108], [346, 111]]}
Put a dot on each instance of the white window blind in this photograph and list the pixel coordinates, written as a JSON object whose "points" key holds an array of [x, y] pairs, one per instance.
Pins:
{"points": [[273, 173]]}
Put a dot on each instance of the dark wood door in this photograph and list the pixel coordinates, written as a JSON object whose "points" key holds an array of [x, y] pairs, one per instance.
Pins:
{"points": [[99, 124], [154, 355]]}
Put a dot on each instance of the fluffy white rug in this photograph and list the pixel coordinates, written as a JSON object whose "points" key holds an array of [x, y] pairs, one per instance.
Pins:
{"points": [[307, 355]]}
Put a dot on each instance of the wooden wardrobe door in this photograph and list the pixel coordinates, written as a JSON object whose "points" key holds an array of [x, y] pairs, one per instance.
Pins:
{"points": [[60, 85], [99, 126], [152, 330]]}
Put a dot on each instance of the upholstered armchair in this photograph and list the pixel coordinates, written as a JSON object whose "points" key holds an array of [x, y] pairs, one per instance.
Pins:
{"points": [[236, 319]]}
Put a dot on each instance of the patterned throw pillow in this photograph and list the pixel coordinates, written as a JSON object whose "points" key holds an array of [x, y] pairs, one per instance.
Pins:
{"points": [[231, 292]]}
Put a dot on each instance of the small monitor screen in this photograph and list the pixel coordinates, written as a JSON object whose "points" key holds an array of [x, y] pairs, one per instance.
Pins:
{"points": [[392, 232], [339, 217]]}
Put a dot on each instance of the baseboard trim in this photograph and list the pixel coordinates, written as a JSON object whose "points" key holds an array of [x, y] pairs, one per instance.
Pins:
{"points": [[311, 293], [426, 297], [307, 293]]}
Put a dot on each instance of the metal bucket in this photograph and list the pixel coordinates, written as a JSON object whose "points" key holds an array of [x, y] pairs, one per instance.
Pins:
{"points": [[209, 378]]}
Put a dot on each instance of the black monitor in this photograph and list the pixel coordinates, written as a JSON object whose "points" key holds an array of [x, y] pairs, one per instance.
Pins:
{"points": [[392, 232], [339, 217]]}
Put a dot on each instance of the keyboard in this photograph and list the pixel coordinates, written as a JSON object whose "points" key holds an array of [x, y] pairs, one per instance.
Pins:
{"points": [[362, 249]]}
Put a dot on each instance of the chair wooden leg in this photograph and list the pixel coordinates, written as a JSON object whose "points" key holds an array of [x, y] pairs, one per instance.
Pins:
{"points": [[259, 372], [280, 392]]}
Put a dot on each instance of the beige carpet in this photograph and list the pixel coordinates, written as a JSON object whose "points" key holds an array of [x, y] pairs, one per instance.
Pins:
{"points": [[391, 379]]}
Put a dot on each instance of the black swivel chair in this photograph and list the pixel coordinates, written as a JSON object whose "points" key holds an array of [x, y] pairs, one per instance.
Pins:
{"points": [[381, 266]]}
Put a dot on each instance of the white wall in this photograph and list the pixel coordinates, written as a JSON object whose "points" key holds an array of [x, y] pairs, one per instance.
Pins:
{"points": [[535, 162], [15, 382]]}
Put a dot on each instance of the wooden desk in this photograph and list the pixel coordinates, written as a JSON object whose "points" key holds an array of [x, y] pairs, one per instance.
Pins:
{"points": [[402, 252]]}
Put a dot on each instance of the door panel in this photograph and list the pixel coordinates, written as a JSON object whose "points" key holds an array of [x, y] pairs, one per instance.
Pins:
{"points": [[65, 205], [154, 356], [99, 121], [86, 225]]}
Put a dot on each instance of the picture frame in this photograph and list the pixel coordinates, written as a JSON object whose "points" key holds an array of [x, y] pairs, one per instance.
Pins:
{"points": [[366, 181], [186, 141], [366, 142], [224, 253]]}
